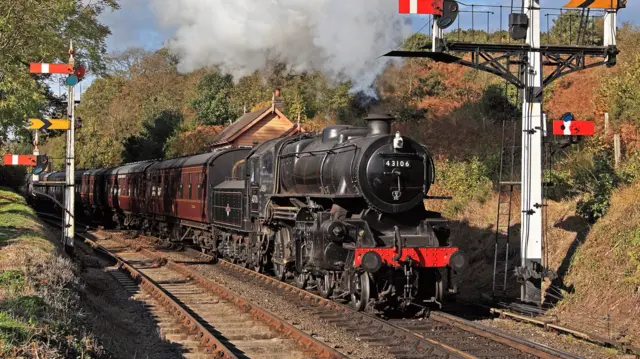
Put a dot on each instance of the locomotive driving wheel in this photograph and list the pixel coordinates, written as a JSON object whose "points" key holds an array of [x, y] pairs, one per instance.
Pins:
{"points": [[281, 252], [360, 290]]}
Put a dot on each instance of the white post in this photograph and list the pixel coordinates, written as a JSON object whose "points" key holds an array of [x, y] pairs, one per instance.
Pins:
{"points": [[617, 149], [36, 152], [532, 130], [610, 22], [438, 34], [69, 230]]}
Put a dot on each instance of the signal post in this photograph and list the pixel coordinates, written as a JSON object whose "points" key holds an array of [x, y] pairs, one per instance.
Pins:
{"points": [[495, 59], [75, 75]]}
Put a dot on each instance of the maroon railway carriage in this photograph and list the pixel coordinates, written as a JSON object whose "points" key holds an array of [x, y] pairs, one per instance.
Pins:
{"points": [[92, 191], [125, 192], [78, 188], [177, 191]]}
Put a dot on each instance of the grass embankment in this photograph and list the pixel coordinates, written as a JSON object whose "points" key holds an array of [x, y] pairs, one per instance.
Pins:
{"points": [[604, 272], [598, 289], [39, 317]]}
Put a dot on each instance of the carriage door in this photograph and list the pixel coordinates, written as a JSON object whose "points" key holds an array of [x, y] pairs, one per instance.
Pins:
{"points": [[254, 186]]}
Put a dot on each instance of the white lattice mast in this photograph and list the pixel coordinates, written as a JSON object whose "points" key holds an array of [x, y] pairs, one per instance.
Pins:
{"points": [[566, 59], [531, 184]]}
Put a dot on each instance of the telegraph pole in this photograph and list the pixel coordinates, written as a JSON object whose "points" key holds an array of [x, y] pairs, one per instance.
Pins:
{"points": [[69, 220], [532, 132]]}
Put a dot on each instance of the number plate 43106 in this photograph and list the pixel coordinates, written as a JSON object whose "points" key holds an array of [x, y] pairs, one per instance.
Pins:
{"points": [[397, 163]]}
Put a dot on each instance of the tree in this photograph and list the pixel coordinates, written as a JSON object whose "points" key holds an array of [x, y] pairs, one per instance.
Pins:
{"points": [[127, 62], [213, 101], [620, 90], [574, 27], [151, 142], [39, 31]]}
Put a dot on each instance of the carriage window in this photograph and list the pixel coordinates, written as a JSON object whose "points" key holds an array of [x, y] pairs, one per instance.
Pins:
{"points": [[159, 186], [189, 185], [180, 194], [200, 186]]}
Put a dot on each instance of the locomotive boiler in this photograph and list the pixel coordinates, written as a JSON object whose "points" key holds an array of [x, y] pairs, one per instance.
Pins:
{"points": [[342, 212]]}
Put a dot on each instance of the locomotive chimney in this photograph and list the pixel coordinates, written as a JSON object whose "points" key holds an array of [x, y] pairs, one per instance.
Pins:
{"points": [[379, 124]]}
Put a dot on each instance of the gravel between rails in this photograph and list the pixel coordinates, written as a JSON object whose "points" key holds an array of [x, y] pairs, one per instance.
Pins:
{"points": [[336, 337], [339, 338], [348, 342], [118, 317]]}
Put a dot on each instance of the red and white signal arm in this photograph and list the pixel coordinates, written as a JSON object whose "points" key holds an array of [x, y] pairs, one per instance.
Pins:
{"points": [[428, 7], [570, 127], [19, 160], [42, 68]]}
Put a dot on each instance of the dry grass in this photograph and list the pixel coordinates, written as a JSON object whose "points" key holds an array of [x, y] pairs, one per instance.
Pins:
{"points": [[605, 272], [599, 267], [38, 290]]}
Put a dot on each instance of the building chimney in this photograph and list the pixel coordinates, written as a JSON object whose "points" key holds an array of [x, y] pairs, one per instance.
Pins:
{"points": [[277, 101]]}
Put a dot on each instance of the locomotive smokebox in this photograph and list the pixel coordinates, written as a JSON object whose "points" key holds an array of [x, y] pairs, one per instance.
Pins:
{"points": [[379, 124]]}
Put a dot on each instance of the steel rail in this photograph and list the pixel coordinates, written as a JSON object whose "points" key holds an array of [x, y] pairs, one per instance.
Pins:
{"points": [[192, 326], [525, 346], [436, 347], [578, 334], [195, 329], [522, 345], [307, 342]]}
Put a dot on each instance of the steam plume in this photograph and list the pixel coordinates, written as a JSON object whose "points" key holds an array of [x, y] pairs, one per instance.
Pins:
{"points": [[341, 38]]}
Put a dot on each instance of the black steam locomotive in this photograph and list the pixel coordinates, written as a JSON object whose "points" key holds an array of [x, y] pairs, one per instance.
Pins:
{"points": [[342, 212]]}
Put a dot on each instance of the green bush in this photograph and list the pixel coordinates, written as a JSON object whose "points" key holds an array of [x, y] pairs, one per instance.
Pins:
{"points": [[630, 169], [588, 175], [464, 181], [597, 182]]}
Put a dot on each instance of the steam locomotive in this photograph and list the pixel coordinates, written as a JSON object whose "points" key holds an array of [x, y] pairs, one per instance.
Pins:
{"points": [[341, 212]]}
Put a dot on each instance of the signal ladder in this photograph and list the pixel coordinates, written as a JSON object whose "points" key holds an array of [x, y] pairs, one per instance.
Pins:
{"points": [[508, 185]]}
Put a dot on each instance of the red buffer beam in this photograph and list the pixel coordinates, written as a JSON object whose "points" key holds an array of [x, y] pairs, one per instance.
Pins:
{"points": [[428, 7], [19, 160]]}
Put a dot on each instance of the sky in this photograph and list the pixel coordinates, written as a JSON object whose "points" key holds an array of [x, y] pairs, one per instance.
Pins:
{"points": [[137, 23]]}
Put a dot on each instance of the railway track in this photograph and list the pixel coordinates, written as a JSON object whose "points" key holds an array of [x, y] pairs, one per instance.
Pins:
{"points": [[465, 338], [202, 316], [439, 336]]}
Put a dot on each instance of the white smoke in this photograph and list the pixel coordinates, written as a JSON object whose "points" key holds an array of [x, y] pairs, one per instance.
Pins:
{"points": [[341, 38]]}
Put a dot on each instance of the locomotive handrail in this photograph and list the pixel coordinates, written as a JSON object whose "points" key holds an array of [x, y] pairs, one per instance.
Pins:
{"points": [[329, 150]]}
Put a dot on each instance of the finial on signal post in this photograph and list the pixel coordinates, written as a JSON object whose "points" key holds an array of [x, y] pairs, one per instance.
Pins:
{"points": [[71, 59]]}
